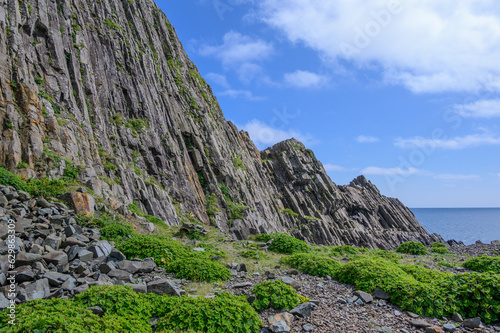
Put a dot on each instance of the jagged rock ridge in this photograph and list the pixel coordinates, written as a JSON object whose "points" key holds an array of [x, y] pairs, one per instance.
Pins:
{"points": [[107, 86]]}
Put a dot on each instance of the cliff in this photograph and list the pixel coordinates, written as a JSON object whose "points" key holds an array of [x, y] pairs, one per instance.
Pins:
{"points": [[106, 88]]}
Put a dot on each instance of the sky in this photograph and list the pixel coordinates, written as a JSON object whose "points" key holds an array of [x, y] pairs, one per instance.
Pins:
{"points": [[406, 93]]}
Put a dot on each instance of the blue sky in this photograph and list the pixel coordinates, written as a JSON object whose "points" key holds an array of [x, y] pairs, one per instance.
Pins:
{"points": [[405, 92]]}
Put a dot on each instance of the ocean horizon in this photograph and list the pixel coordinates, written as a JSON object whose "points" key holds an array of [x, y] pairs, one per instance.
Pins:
{"points": [[461, 224]]}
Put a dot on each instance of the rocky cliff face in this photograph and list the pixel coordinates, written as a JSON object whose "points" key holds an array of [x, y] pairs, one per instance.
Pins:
{"points": [[106, 86]]}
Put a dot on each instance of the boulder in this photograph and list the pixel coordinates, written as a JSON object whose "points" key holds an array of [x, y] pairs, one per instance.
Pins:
{"points": [[120, 275], [472, 322], [420, 323], [286, 317], [81, 203], [289, 281], [163, 286], [380, 294], [56, 258], [130, 266], [280, 327], [365, 297], [239, 230], [35, 290], [303, 310], [24, 258]]}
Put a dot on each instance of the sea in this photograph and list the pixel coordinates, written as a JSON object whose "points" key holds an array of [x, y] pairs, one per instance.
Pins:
{"points": [[461, 224]]}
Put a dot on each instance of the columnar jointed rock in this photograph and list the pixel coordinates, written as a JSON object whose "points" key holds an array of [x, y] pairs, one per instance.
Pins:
{"points": [[65, 91]]}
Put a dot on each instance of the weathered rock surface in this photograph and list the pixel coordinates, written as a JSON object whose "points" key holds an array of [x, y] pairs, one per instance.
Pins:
{"points": [[107, 87], [45, 269]]}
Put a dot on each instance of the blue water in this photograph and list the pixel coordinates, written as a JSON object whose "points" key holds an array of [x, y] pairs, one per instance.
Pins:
{"points": [[462, 224]]}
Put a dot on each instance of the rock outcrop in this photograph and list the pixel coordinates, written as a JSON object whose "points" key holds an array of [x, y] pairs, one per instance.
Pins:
{"points": [[105, 89]]}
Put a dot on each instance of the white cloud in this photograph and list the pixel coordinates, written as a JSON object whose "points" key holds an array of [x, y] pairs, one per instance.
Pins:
{"points": [[463, 142], [305, 79], [367, 139], [480, 109], [451, 177], [265, 135], [217, 79], [333, 167], [233, 93], [425, 45], [391, 171], [237, 49]]}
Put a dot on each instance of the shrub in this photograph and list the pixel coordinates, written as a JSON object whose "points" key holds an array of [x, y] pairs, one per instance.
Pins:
{"points": [[62, 315], [422, 291], [116, 231], [484, 263], [121, 301], [47, 187], [264, 237], [162, 249], [313, 264], [7, 178], [224, 313], [474, 294], [440, 248], [274, 294], [250, 254], [424, 274], [414, 248], [199, 270], [283, 243], [343, 250]]}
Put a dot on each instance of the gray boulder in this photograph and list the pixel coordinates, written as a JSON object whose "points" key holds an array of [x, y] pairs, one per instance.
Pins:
{"points": [[163, 286]]}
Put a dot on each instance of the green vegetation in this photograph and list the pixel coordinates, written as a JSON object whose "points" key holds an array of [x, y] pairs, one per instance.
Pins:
{"points": [[484, 263], [9, 179], [176, 259], [224, 313], [137, 125], [112, 24], [344, 250], [251, 254], [289, 212], [440, 248], [238, 163], [283, 243], [313, 264], [413, 248], [275, 294], [195, 269], [427, 292], [116, 231]]}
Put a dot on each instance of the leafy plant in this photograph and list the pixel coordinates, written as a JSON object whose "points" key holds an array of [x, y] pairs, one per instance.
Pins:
{"points": [[195, 269], [440, 248], [289, 212], [7, 178], [414, 248], [251, 254], [116, 231], [343, 250], [162, 249], [484, 263], [313, 264], [274, 294], [283, 243], [224, 313]]}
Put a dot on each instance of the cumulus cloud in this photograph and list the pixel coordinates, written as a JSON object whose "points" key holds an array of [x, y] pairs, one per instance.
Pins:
{"points": [[264, 135], [367, 139], [425, 45], [305, 79], [456, 143], [237, 49], [481, 109], [391, 171]]}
